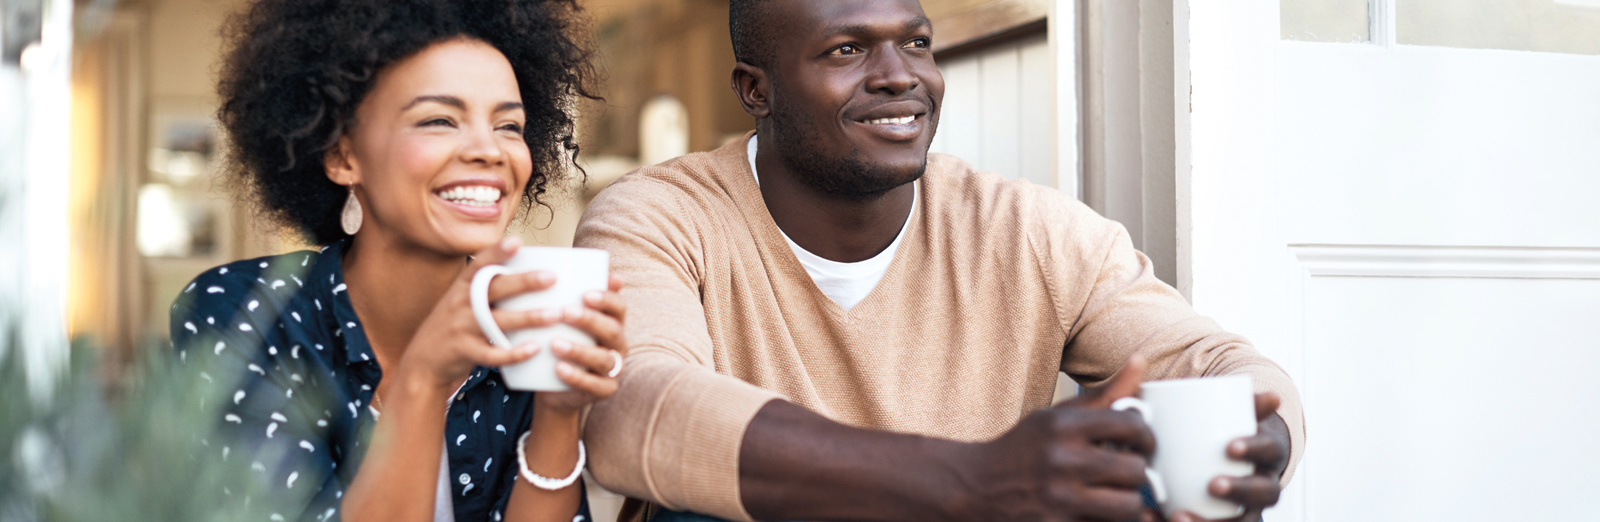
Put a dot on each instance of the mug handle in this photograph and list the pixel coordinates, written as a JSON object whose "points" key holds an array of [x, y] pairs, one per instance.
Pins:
{"points": [[478, 292], [1157, 488]]}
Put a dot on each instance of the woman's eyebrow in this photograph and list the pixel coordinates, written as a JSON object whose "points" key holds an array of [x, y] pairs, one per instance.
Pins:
{"points": [[507, 106], [436, 98]]}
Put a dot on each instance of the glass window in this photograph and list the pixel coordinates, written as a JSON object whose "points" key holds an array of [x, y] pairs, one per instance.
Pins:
{"points": [[1325, 20], [1552, 26]]}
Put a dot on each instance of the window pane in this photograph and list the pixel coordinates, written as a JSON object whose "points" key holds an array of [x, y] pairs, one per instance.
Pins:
{"points": [[1324, 20], [1552, 26]]}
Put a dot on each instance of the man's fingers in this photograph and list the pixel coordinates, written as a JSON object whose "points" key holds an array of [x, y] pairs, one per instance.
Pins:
{"points": [[1252, 492], [1263, 450], [1110, 504], [1124, 384], [1119, 429], [1116, 469], [1266, 405]]}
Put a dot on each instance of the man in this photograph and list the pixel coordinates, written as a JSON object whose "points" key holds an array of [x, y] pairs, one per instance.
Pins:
{"points": [[831, 324]]}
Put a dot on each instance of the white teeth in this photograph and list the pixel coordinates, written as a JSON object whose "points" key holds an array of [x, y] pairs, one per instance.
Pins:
{"points": [[473, 195], [892, 121]]}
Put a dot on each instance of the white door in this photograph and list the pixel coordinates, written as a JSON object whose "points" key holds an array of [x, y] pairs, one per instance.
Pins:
{"points": [[1410, 222]]}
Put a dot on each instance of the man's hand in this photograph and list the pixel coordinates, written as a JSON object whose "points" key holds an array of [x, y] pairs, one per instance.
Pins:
{"points": [[1075, 461], [1268, 449]]}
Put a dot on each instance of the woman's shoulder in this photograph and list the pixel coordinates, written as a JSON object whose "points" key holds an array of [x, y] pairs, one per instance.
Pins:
{"points": [[263, 285]]}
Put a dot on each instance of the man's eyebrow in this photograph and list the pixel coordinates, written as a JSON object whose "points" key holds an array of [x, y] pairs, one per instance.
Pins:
{"points": [[446, 100], [861, 29]]}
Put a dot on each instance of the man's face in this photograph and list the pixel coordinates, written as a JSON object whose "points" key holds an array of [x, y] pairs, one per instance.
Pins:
{"points": [[855, 93]]}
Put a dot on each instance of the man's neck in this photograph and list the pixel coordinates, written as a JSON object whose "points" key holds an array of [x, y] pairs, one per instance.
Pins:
{"points": [[836, 228]]}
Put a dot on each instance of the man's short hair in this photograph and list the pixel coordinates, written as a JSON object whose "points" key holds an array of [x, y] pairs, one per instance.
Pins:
{"points": [[747, 24]]}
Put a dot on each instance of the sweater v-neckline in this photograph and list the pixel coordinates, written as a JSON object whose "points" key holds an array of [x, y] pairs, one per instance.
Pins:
{"points": [[770, 239]]}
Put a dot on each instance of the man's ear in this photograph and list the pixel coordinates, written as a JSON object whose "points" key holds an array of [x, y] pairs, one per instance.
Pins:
{"points": [[751, 86], [340, 165]]}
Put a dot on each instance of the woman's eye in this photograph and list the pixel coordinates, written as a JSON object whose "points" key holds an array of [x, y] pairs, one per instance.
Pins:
{"points": [[436, 122], [846, 49], [513, 127]]}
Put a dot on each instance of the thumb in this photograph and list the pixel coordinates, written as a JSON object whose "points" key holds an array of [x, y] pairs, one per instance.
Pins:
{"points": [[492, 255], [1124, 384]]}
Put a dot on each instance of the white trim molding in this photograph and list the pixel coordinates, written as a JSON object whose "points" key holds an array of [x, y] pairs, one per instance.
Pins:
{"points": [[1442, 261]]}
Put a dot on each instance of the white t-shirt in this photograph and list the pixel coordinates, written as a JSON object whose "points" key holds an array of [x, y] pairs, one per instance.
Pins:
{"points": [[844, 283]]}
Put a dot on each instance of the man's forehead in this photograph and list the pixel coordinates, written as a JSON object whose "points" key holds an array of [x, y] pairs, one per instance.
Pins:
{"points": [[826, 18]]}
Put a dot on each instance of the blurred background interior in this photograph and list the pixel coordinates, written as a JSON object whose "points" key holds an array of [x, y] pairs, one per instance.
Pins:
{"points": [[1396, 199]]}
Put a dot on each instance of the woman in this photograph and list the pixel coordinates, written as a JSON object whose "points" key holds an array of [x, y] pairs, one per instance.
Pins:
{"points": [[403, 136]]}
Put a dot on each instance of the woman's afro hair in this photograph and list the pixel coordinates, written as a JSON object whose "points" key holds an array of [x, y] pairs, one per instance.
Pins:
{"points": [[295, 70]]}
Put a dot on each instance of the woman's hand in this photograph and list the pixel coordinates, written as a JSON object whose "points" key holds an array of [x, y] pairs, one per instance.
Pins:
{"points": [[449, 344], [588, 369]]}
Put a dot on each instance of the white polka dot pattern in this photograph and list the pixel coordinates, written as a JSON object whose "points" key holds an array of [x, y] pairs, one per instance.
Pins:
{"points": [[281, 402]]}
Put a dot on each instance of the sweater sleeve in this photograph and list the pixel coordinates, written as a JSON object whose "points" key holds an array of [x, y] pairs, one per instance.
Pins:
{"points": [[672, 432], [1113, 306]]}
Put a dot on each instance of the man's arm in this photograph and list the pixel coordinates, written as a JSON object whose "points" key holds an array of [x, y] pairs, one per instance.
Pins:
{"points": [[1057, 464]]}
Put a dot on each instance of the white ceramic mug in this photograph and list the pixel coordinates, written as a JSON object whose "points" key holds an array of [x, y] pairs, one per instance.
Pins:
{"points": [[1193, 421], [577, 271]]}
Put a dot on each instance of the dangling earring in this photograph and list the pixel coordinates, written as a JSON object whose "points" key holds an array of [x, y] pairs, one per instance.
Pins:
{"points": [[350, 217]]}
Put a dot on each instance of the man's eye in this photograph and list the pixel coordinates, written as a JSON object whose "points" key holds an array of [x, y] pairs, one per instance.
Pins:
{"points": [[918, 43], [846, 49]]}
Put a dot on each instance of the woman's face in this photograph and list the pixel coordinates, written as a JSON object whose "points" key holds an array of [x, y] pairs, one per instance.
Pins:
{"points": [[436, 154]]}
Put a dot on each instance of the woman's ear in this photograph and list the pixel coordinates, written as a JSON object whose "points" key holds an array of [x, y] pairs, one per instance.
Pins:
{"points": [[751, 86], [340, 164]]}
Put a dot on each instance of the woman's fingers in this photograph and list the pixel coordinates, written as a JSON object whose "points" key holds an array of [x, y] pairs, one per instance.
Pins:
{"points": [[605, 329], [591, 358], [597, 386], [609, 303], [507, 286], [513, 320], [492, 255], [492, 357]]}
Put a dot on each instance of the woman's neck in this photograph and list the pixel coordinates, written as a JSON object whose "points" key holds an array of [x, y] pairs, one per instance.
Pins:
{"points": [[393, 288]]}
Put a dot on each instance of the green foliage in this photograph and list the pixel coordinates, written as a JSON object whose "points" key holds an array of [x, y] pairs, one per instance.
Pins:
{"points": [[143, 452]]}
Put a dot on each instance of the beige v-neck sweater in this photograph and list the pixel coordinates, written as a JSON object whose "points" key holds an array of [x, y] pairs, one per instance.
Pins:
{"points": [[997, 285]]}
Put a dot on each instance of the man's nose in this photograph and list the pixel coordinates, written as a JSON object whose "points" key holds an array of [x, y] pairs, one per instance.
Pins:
{"points": [[892, 73]]}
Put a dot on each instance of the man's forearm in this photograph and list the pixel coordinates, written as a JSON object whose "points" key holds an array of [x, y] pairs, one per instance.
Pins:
{"points": [[797, 465]]}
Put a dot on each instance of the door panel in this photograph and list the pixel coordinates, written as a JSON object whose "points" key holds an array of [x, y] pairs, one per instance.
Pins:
{"points": [[997, 111], [1414, 233]]}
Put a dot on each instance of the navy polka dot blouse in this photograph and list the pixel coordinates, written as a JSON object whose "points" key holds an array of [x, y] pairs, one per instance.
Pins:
{"points": [[282, 327]]}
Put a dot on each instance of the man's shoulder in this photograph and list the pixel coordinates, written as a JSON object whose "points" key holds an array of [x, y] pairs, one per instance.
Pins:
{"points": [[953, 185], [694, 186]]}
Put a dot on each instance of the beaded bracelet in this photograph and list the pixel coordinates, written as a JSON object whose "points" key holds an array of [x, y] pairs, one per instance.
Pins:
{"points": [[543, 482]]}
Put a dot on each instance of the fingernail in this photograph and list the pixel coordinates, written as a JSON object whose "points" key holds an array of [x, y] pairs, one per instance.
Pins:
{"points": [[510, 243], [552, 315], [561, 345], [530, 348], [565, 368], [1237, 447], [1223, 485], [574, 312], [592, 297], [546, 278]]}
